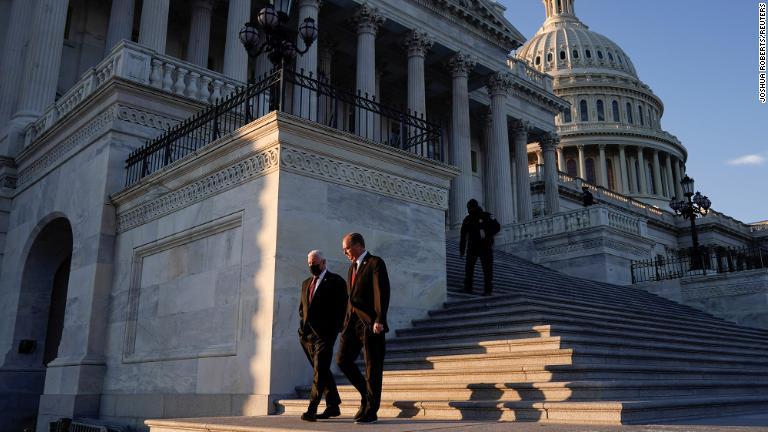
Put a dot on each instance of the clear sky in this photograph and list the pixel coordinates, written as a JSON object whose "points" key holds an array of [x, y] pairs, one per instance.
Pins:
{"points": [[700, 58]]}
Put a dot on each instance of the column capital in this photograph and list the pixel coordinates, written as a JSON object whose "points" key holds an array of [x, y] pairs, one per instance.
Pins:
{"points": [[368, 19], [313, 3], [418, 43], [499, 83], [204, 4], [460, 64], [549, 143], [522, 126], [580, 147], [601, 146], [655, 151]]}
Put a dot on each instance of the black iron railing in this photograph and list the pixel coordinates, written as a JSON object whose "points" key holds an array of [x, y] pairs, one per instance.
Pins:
{"points": [[294, 93], [708, 260]]}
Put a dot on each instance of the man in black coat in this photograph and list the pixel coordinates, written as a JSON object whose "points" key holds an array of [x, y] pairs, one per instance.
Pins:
{"points": [[364, 325], [321, 314], [477, 233]]}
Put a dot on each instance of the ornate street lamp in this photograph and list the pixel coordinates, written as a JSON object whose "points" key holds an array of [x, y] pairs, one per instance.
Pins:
{"points": [[271, 33], [695, 205]]}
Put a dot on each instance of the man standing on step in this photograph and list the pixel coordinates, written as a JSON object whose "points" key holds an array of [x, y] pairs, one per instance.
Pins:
{"points": [[477, 233], [364, 325], [321, 315]]}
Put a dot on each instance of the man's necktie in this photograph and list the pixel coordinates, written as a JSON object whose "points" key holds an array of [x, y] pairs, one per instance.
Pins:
{"points": [[312, 288], [354, 273]]}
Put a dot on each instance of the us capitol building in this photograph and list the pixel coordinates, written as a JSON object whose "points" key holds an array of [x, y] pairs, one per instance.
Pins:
{"points": [[156, 211]]}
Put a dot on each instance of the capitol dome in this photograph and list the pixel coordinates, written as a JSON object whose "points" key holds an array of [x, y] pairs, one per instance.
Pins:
{"points": [[611, 136]]}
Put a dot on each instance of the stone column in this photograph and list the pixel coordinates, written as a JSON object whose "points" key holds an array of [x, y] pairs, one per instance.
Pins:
{"points": [[634, 188], [488, 181], [678, 178], [643, 186], [460, 65], [12, 70], [200, 33], [539, 157], [41, 68], [522, 177], [551, 183], [417, 44], [154, 24], [120, 23], [670, 179], [623, 170], [235, 56], [368, 22], [499, 85], [603, 167], [657, 173], [582, 165], [304, 100], [560, 159]]}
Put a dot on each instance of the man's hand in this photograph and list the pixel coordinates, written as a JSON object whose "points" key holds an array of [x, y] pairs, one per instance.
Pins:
{"points": [[378, 328]]}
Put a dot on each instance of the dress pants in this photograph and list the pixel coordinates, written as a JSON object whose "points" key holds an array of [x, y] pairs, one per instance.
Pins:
{"points": [[319, 352], [486, 259], [357, 336]]}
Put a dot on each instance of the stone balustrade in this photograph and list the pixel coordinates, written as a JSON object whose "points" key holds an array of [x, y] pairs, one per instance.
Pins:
{"points": [[135, 63], [572, 221], [582, 127], [522, 70]]}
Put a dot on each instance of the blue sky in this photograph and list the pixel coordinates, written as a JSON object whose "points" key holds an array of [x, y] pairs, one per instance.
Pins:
{"points": [[700, 58]]}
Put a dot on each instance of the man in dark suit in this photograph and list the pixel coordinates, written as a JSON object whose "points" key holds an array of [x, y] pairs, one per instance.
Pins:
{"points": [[477, 233], [321, 315], [364, 325]]}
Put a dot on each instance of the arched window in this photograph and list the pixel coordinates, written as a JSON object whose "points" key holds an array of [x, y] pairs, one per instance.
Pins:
{"points": [[562, 55], [640, 115], [600, 110], [567, 116], [559, 7], [649, 179], [619, 57], [583, 110], [589, 165], [629, 113], [609, 174], [588, 53], [549, 57], [651, 120], [570, 168], [599, 54], [537, 61], [575, 53], [610, 57], [615, 108]]}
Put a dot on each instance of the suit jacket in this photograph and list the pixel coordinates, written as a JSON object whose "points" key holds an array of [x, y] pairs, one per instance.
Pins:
{"points": [[369, 297], [324, 316]]}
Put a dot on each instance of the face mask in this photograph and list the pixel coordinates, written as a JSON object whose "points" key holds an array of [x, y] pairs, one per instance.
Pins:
{"points": [[315, 269]]}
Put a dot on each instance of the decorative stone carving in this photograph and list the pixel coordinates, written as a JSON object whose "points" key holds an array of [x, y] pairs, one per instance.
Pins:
{"points": [[499, 83], [368, 19], [460, 64], [418, 43]]}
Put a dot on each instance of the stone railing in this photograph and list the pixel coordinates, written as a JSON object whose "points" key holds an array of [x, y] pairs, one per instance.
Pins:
{"points": [[564, 129], [572, 221], [133, 62], [522, 70]]}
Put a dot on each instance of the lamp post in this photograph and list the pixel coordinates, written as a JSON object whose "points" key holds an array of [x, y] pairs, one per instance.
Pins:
{"points": [[695, 205], [271, 34]]}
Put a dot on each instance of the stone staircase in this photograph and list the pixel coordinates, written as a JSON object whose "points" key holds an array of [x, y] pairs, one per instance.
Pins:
{"points": [[554, 348]]}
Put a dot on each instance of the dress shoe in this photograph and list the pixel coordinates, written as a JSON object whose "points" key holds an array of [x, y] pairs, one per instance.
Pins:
{"points": [[308, 416], [367, 419], [329, 412], [361, 412]]}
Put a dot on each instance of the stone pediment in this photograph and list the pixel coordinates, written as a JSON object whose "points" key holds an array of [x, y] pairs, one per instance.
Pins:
{"points": [[481, 16]]}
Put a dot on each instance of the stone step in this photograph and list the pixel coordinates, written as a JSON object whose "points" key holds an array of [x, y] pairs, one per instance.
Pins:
{"points": [[581, 412], [551, 391], [501, 305]]}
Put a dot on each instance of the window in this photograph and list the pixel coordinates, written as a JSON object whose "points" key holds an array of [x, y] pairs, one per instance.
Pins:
{"points": [[609, 174], [570, 168], [629, 113], [474, 161], [640, 115], [537, 61], [567, 116], [583, 110], [610, 57], [589, 53], [650, 118], [619, 57], [549, 57], [575, 53], [600, 110], [615, 108], [649, 178], [589, 165], [599, 54], [562, 55]]}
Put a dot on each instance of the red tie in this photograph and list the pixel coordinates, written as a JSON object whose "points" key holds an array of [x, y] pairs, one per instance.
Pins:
{"points": [[312, 288], [354, 273]]}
